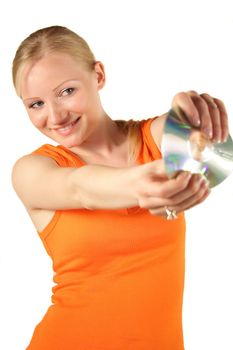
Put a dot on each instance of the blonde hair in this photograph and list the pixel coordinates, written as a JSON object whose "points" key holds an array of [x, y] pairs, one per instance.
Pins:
{"points": [[63, 40], [49, 40]]}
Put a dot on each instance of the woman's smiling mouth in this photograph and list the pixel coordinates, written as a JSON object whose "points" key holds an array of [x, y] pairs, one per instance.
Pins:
{"points": [[68, 129]]}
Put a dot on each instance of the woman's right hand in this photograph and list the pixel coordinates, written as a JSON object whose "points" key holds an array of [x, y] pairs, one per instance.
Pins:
{"points": [[155, 191]]}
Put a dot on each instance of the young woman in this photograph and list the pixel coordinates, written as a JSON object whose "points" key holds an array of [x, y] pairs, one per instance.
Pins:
{"points": [[100, 201]]}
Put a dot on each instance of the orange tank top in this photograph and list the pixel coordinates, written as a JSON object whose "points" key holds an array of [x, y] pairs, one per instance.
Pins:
{"points": [[118, 274]]}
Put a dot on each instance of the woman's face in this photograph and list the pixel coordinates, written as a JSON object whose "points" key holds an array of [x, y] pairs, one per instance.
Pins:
{"points": [[62, 99]]}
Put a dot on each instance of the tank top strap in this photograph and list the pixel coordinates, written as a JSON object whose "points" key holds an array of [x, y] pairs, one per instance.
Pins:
{"points": [[62, 156], [149, 150]]}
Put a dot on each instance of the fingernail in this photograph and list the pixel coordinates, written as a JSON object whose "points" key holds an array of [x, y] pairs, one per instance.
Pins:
{"points": [[196, 122], [213, 104], [205, 180], [208, 132], [225, 138]]}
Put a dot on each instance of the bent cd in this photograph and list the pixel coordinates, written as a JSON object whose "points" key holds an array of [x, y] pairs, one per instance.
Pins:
{"points": [[187, 148]]}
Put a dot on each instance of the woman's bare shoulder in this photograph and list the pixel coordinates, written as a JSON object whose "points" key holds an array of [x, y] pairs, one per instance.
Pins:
{"points": [[157, 129]]}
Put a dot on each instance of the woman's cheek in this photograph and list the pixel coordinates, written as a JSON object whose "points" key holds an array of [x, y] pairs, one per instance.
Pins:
{"points": [[38, 121], [76, 105]]}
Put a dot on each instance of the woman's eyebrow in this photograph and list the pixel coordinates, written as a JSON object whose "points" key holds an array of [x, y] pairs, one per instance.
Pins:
{"points": [[57, 87], [65, 82]]}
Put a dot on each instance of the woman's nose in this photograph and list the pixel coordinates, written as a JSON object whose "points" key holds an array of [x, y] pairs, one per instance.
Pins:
{"points": [[57, 115]]}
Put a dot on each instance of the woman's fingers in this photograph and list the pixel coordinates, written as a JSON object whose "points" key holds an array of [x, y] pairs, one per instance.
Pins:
{"points": [[164, 188], [184, 101], [199, 198], [223, 119], [205, 111], [188, 203], [205, 108], [196, 183], [180, 193], [195, 194]]}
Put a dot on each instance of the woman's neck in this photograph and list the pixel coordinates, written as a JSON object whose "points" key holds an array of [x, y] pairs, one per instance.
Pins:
{"points": [[107, 141]]}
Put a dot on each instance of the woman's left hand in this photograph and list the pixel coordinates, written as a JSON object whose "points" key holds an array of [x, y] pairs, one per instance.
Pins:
{"points": [[204, 111]]}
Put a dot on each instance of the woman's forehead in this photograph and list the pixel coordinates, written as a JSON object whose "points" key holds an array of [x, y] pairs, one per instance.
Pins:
{"points": [[51, 70]]}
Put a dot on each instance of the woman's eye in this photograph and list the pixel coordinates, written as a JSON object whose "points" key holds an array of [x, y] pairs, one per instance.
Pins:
{"points": [[67, 91], [37, 104]]}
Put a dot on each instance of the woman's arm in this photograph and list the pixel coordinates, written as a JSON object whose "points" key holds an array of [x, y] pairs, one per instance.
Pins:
{"points": [[42, 184]]}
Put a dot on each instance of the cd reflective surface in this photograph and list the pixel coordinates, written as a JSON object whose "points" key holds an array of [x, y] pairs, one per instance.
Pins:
{"points": [[187, 148]]}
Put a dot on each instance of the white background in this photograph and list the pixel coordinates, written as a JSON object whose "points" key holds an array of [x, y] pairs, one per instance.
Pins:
{"points": [[151, 50]]}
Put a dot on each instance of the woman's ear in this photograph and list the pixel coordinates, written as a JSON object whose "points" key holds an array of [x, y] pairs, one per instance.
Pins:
{"points": [[100, 74]]}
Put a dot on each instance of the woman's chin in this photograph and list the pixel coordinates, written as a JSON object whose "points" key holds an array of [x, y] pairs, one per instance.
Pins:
{"points": [[69, 144]]}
